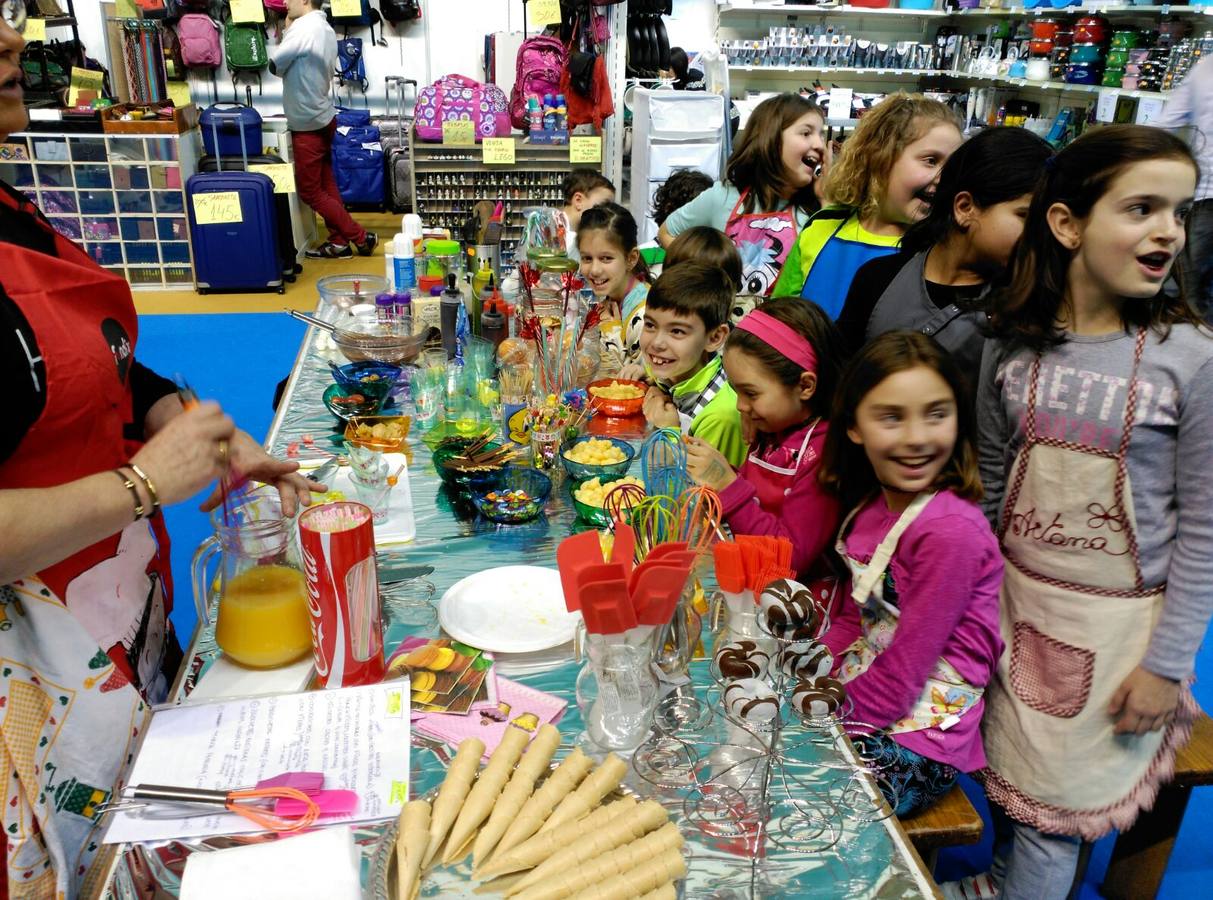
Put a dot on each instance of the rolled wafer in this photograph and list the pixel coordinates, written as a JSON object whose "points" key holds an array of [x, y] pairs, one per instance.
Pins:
{"points": [[635, 882], [589, 793], [631, 856], [536, 849], [567, 776], [485, 791], [622, 829], [534, 762], [453, 792], [412, 838], [666, 892]]}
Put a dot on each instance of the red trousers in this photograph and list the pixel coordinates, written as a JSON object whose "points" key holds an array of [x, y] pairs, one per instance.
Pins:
{"points": [[318, 188]]}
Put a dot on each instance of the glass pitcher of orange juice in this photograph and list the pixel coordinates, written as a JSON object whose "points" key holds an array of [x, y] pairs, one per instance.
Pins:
{"points": [[263, 619]]}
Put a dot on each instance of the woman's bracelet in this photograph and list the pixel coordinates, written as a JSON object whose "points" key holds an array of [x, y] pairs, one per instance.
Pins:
{"points": [[130, 486], [147, 483]]}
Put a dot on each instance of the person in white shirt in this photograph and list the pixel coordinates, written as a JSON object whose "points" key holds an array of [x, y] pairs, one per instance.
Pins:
{"points": [[1191, 104], [304, 60]]}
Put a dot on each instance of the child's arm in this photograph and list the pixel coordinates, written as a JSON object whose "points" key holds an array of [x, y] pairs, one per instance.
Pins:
{"points": [[993, 434], [935, 583]]}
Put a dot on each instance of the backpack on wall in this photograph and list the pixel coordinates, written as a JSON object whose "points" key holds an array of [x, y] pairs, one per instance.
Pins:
{"points": [[351, 67], [245, 50], [537, 71], [368, 17], [459, 97], [398, 11], [198, 36]]}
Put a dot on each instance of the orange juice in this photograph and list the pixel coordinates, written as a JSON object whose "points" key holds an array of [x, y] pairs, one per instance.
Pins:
{"points": [[263, 617]]}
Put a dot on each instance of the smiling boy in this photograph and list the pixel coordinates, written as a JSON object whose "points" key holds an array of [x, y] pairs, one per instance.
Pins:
{"points": [[685, 325]]}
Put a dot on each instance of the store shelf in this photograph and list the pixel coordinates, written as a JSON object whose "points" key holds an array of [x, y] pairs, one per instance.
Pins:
{"points": [[797, 9], [836, 70]]}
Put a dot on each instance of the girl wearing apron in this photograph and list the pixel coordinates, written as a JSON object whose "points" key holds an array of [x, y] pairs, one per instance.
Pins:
{"points": [[916, 639], [613, 270], [1096, 416], [782, 362]]}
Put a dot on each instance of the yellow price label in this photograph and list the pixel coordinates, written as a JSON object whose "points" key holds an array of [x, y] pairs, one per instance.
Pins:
{"points": [[346, 9], [584, 149], [498, 151], [458, 133], [35, 30], [247, 11], [398, 793], [282, 174], [543, 12], [125, 9], [83, 81], [179, 93], [219, 208]]}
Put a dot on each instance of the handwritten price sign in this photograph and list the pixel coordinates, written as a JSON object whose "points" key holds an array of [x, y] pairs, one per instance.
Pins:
{"points": [[282, 174], [248, 11], [585, 149], [345, 9], [458, 133], [543, 12], [219, 208], [498, 151]]}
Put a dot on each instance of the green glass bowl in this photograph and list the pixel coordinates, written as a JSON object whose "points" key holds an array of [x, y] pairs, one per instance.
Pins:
{"points": [[609, 472], [342, 412], [479, 481]]}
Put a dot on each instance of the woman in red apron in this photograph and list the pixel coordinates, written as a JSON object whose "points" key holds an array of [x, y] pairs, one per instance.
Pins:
{"points": [[782, 361], [769, 192], [1096, 417], [85, 587]]}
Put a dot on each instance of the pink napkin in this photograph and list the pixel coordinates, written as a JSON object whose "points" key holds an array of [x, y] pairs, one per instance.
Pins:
{"points": [[538, 707]]}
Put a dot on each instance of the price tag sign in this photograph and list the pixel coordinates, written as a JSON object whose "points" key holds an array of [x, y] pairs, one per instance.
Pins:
{"points": [[343, 9], [1105, 107], [498, 151], [125, 9], [840, 102], [84, 81], [584, 149], [219, 208], [35, 30], [179, 93], [1149, 108], [543, 12], [248, 11], [282, 174], [458, 133]]}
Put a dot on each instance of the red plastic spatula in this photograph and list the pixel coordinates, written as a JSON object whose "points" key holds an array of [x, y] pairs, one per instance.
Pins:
{"points": [[605, 607], [657, 592], [623, 551], [573, 554]]}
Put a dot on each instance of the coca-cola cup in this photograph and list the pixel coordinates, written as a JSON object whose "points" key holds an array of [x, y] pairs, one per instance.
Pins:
{"points": [[338, 544]]}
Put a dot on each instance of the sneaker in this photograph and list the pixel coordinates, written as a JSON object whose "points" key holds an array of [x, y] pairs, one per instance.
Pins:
{"points": [[367, 247], [975, 887], [329, 250]]}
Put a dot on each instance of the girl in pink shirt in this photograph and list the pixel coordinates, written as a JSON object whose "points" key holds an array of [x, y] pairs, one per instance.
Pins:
{"points": [[916, 638]]}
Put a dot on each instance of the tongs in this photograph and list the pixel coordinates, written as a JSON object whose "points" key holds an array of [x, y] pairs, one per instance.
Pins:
{"points": [[259, 805]]}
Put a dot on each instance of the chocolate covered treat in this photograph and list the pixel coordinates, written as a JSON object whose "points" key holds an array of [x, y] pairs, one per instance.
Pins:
{"points": [[806, 660], [742, 659], [818, 697], [790, 610], [751, 700]]}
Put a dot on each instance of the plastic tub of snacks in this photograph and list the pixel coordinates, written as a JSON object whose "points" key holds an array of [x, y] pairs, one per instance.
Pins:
{"points": [[617, 396], [518, 496], [594, 457], [589, 498]]}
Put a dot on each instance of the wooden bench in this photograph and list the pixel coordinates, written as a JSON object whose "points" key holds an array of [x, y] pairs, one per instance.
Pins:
{"points": [[1139, 858], [950, 822]]}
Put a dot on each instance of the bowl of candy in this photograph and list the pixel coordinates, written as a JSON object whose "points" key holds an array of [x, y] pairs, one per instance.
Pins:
{"points": [[589, 457], [471, 464], [343, 404], [617, 396], [373, 380], [385, 433], [518, 496], [589, 498]]}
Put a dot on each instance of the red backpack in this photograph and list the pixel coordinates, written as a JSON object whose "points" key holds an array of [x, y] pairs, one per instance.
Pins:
{"points": [[537, 72]]}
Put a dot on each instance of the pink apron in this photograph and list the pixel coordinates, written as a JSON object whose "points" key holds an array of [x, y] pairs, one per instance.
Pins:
{"points": [[764, 240]]}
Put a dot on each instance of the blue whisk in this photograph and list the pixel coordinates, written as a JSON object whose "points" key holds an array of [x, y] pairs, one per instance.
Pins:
{"points": [[663, 463]]}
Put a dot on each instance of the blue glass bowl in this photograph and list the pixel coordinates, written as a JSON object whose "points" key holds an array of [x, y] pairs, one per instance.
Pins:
{"points": [[335, 394], [609, 472], [515, 478], [371, 379], [478, 481]]}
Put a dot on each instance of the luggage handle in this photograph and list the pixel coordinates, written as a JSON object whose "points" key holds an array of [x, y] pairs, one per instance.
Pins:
{"points": [[243, 143], [400, 83]]}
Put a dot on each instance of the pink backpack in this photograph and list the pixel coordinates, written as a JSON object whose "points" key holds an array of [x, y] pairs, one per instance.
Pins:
{"points": [[540, 62], [199, 38], [459, 97]]}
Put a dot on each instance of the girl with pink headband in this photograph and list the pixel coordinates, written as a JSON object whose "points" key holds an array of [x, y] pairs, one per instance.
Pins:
{"points": [[782, 359]]}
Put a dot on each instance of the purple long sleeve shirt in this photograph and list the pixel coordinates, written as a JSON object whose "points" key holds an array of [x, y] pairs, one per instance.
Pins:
{"points": [[947, 572]]}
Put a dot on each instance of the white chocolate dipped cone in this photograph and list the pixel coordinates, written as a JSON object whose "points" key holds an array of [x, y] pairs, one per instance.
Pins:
{"points": [[539, 847], [589, 793], [484, 793], [412, 838], [534, 813], [453, 792], [534, 763]]}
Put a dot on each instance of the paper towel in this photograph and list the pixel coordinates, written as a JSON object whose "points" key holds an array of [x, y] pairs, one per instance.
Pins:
{"points": [[320, 865]]}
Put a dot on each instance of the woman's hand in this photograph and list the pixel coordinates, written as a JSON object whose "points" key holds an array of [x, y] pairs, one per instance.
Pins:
{"points": [[659, 409], [1143, 702], [249, 459], [190, 450], [632, 372], [707, 465]]}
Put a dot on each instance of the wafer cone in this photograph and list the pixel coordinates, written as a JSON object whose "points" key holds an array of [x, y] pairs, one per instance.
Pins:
{"points": [[635, 855], [485, 791], [622, 829], [539, 847], [522, 783], [640, 880], [453, 792], [412, 838], [666, 892], [567, 776], [589, 793]]}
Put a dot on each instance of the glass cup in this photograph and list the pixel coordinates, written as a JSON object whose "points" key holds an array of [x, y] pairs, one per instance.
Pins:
{"points": [[616, 692], [545, 449]]}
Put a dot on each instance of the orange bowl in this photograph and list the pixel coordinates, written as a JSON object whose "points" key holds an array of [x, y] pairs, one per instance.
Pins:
{"points": [[617, 408]]}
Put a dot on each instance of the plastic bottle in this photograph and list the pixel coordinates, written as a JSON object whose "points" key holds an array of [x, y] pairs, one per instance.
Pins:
{"points": [[410, 224], [549, 113], [451, 303], [404, 310], [562, 114], [389, 265], [534, 113], [405, 265], [493, 324], [385, 308]]}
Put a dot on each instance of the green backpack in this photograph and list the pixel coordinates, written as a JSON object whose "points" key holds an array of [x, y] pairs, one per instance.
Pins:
{"points": [[245, 51]]}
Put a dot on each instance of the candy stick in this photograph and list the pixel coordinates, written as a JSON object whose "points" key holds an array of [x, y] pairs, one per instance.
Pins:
{"points": [[632, 883], [515, 795], [541, 803], [484, 793], [589, 794], [412, 837], [535, 850], [453, 792], [663, 844]]}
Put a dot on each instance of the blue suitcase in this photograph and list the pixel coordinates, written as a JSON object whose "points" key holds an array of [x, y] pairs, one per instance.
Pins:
{"points": [[229, 129], [236, 255]]}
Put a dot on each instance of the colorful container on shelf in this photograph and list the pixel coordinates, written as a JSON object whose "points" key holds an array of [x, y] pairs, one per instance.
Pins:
{"points": [[1083, 73], [916, 4], [1086, 53]]}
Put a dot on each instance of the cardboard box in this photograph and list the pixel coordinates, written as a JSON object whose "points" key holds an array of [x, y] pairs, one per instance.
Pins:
{"points": [[184, 118]]}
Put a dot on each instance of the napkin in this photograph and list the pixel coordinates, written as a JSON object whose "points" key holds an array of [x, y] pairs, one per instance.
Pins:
{"points": [[320, 865]]}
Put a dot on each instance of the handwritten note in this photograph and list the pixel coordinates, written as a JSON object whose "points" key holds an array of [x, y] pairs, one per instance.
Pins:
{"points": [[584, 149], [35, 30], [349, 734], [458, 133], [247, 11], [179, 93], [88, 81], [219, 208], [498, 151], [282, 174], [1149, 108], [543, 12], [347, 9]]}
